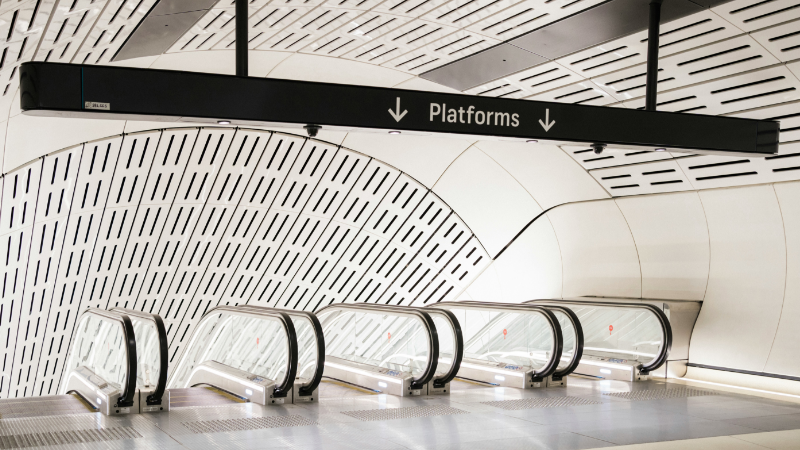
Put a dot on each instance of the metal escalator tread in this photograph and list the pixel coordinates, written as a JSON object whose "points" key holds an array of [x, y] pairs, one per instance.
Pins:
{"points": [[50, 405], [201, 396], [330, 388], [461, 384]]}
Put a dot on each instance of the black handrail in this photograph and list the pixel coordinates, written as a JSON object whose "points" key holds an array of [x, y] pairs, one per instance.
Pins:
{"points": [[163, 350], [433, 336], [558, 337], [578, 353], [311, 386], [458, 351], [129, 386], [666, 328], [288, 327]]}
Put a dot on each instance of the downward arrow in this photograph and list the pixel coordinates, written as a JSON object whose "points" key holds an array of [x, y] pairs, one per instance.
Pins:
{"points": [[398, 116], [546, 124]]}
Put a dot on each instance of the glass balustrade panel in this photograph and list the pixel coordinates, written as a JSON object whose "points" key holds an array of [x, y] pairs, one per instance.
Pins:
{"points": [[148, 352], [447, 342], [516, 339], [255, 344], [624, 333], [307, 350], [99, 345], [395, 342], [569, 339]]}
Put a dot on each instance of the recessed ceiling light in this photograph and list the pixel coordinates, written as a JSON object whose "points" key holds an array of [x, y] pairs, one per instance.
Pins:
{"points": [[531, 141], [394, 132], [661, 149], [224, 122]]}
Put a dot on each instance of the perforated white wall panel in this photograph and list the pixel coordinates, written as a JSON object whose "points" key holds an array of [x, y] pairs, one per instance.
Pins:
{"points": [[178, 221]]}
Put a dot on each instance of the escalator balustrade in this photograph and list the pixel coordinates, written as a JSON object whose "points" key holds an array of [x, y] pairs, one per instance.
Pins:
{"points": [[631, 340], [512, 345], [391, 349], [118, 362]]}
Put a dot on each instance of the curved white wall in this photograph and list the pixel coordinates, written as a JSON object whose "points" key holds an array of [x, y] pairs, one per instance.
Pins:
{"points": [[746, 280], [736, 249], [783, 356], [598, 252], [672, 242]]}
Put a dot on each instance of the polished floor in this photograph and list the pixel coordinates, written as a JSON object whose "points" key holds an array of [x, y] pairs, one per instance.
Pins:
{"points": [[586, 414]]}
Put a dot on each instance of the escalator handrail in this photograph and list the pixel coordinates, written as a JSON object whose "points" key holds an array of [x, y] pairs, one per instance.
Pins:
{"points": [[663, 320], [558, 337], [458, 351], [163, 349], [288, 328], [433, 336], [129, 387], [311, 386], [578, 353]]}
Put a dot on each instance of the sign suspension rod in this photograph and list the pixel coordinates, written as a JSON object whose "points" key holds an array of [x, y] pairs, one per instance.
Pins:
{"points": [[652, 55], [241, 38]]}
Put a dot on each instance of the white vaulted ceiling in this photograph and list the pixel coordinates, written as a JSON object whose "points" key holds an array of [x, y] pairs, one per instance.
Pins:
{"points": [[178, 221], [737, 59]]}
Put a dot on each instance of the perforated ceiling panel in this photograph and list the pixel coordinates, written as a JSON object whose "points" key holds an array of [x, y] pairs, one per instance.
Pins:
{"points": [[411, 36], [737, 59], [178, 221]]}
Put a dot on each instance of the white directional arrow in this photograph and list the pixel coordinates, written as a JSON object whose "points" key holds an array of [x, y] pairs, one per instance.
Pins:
{"points": [[546, 124], [398, 116]]}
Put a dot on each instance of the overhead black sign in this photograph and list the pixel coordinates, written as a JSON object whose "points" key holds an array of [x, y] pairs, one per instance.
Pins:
{"points": [[51, 89]]}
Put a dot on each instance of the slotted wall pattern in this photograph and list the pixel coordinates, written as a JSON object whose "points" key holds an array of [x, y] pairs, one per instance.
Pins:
{"points": [[178, 221]]}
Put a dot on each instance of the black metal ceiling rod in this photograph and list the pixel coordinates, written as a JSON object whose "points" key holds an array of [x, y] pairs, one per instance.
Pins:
{"points": [[652, 55], [241, 38]]}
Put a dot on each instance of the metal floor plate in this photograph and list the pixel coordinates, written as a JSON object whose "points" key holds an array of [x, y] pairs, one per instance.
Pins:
{"points": [[200, 396], [52, 405], [245, 424], [659, 394], [368, 415], [547, 402], [48, 438], [575, 417]]}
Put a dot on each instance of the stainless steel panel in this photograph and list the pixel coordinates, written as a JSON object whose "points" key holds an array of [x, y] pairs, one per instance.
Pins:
{"points": [[500, 374], [299, 382], [244, 384], [156, 34], [603, 23], [431, 390], [379, 379], [97, 392], [610, 368], [145, 408], [164, 7], [488, 65]]}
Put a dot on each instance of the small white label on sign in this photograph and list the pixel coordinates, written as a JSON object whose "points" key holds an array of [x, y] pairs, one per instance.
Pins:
{"points": [[98, 105], [150, 408], [124, 410]]}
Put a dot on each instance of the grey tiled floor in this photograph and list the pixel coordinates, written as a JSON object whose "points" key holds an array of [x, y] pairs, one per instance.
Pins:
{"points": [[610, 422]]}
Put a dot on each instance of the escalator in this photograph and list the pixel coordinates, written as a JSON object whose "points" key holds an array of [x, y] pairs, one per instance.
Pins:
{"points": [[394, 350], [117, 362], [631, 340], [516, 345], [255, 354]]}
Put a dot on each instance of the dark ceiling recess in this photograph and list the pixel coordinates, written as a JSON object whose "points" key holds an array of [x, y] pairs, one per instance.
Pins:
{"points": [[605, 22], [166, 22]]}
